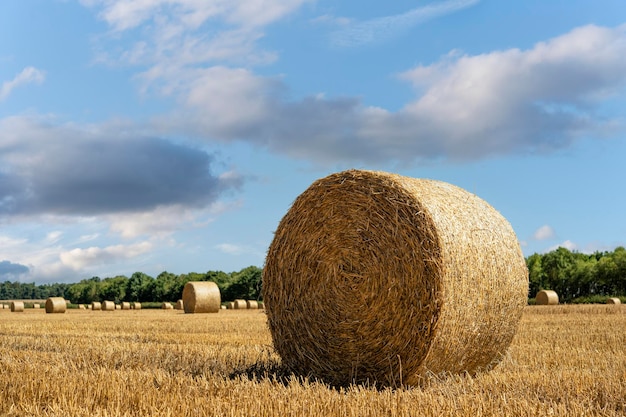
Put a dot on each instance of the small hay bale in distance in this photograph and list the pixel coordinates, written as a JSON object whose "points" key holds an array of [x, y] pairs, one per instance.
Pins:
{"points": [[17, 306], [167, 306], [96, 305], [125, 305], [108, 305], [547, 298], [440, 271], [252, 304], [201, 297], [81, 307], [613, 300], [240, 305], [178, 305], [56, 305], [36, 305], [230, 305], [136, 305]]}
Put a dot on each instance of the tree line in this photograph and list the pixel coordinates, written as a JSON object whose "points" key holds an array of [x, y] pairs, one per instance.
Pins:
{"points": [[573, 275], [244, 284]]}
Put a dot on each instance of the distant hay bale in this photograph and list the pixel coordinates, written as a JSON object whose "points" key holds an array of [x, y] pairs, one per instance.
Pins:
{"points": [[613, 300], [240, 305], [36, 305], [178, 305], [96, 305], [167, 306], [56, 305], [17, 306], [136, 305], [81, 306], [223, 307], [201, 297], [440, 271], [547, 298], [108, 306], [230, 305], [125, 305], [252, 304]]}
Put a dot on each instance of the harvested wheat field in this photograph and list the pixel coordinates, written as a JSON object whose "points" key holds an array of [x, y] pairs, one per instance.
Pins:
{"points": [[564, 361]]}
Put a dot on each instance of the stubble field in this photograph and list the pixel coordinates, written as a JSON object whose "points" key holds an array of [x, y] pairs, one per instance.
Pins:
{"points": [[564, 361]]}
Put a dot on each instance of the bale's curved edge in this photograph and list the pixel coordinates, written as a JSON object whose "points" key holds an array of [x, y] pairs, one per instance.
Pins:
{"points": [[17, 306], [108, 305], [613, 300], [440, 271], [201, 297], [56, 305]]}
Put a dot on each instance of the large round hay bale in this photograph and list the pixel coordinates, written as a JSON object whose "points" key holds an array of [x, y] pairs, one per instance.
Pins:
{"points": [[17, 306], [613, 300], [546, 298], [252, 304], [108, 306], [56, 305], [240, 305], [377, 277], [96, 305], [201, 297], [136, 305]]}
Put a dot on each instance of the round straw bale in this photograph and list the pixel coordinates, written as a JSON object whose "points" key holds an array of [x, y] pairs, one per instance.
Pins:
{"points": [[252, 304], [136, 305], [440, 271], [178, 305], [17, 306], [167, 306], [96, 305], [230, 305], [36, 305], [201, 297], [81, 306], [613, 300], [240, 304], [222, 307], [125, 305], [108, 306], [56, 305], [546, 297]]}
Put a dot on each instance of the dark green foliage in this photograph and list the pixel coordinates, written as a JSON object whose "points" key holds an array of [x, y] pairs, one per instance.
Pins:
{"points": [[578, 276], [245, 284]]}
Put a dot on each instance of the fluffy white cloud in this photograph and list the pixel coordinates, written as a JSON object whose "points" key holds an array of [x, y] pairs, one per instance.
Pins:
{"points": [[543, 233], [568, 244], [78, 258], [28, 75]]}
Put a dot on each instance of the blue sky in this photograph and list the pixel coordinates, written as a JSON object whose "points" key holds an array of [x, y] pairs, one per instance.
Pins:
{"points": [[173, 135]]}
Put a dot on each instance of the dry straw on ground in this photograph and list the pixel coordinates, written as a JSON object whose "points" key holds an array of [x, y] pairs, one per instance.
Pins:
{"points": [[96, 305], [613, 300], [56, 305], [377, 278], [201, 297], [17, 306], [108, 306], [547, 297], [240, 305]]}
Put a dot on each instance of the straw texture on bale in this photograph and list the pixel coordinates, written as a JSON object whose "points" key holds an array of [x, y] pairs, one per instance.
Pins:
{"points": [[613, 300], [108, 306], [96, 305], [136, 306], [56, 305], [376, 277], [17, 306], [240, 304], [178, 305], [546, 298], [201, 297], [252, 304], [125, 305]]}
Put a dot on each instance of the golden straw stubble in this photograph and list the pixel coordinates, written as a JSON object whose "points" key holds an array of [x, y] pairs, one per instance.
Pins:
{"points": [[201, 297], [374, 277]]}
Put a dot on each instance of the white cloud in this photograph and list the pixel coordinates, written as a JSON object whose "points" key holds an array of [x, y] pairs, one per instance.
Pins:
{"points": [[543, 233], [568, 244], [29, 75], [382, 28], [53, 237], [78, 258]]}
